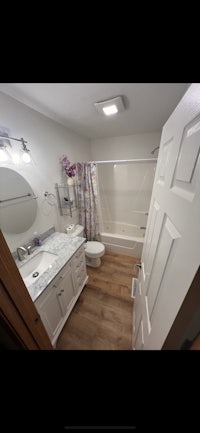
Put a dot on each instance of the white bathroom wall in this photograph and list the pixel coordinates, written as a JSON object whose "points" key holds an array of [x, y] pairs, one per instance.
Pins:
{"points": [[48, 141], [126, 147]]}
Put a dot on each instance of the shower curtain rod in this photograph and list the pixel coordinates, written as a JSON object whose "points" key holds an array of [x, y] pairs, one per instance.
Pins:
{"points": [[123, 160]]}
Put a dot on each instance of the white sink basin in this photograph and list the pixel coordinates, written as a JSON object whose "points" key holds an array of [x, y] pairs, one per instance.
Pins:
{"points": [[36, 265]]}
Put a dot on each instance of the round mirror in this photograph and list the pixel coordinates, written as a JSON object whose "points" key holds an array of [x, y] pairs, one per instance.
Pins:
{"points": [[18, 206]]}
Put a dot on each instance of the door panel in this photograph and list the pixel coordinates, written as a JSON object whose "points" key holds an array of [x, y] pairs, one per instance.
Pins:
{"points": [[140, 337], [187, 169], [189, 152], [164, 160], [153, 234], [162, 253]]}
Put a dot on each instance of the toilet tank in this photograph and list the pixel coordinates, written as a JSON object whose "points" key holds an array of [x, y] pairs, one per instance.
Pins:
{"points": [[79, 231]]}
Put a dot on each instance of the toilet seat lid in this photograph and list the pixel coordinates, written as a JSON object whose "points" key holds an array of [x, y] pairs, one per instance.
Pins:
{"points": [[94, 247]]}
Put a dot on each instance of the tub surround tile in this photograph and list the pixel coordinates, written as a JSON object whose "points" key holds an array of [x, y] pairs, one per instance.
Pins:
{"points": [[57, 243]]}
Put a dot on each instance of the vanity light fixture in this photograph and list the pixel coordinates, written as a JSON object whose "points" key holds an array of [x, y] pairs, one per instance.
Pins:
{"points": [[4, 144], [110, 106], [15, 156], [25, 156], [3, 153]]}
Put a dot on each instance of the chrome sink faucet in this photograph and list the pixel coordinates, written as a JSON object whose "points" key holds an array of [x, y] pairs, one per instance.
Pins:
{"points": [[29, 249], [20, 253]]}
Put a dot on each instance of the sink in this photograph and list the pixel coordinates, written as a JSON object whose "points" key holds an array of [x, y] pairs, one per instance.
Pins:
{"points": [[36, 266]]}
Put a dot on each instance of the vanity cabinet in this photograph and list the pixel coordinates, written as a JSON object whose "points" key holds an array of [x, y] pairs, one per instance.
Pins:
{"points": [[58, 299]]}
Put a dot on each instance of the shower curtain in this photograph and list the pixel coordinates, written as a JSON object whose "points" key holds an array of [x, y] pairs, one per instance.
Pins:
{"points": [[87, 199]]}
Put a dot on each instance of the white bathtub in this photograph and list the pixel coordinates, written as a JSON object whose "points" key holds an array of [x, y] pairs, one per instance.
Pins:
{"points": [[123, 238]]}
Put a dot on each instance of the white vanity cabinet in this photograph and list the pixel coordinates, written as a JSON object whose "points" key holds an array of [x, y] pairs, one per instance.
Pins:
{"points": [[56, 301]]}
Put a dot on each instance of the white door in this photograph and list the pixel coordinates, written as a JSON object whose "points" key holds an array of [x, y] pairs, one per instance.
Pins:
{"points": [[171, 253]]}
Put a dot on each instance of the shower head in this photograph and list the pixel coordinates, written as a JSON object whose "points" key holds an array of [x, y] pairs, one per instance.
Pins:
{"points": [[153, 151]]}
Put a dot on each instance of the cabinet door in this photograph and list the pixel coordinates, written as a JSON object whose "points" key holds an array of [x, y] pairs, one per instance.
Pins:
{"points": [[66, 289], [50, 310]]}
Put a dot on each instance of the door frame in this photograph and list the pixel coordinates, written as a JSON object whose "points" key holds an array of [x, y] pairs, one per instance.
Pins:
{"points": [[17, 310]]}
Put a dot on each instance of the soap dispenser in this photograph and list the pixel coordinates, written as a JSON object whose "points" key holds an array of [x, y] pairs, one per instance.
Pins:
{"points": [[37, 240]]}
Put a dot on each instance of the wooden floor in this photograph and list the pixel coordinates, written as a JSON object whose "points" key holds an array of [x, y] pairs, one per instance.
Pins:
{"points": [[102, 316]]}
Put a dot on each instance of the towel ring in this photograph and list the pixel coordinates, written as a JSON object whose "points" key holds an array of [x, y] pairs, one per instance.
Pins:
{"points": [[50, 198]]}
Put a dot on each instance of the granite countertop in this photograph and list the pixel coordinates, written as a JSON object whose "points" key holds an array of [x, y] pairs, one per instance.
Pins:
{"points": [[57, 243]]}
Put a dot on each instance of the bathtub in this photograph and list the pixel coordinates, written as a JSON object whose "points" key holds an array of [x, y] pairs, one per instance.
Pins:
{"points": [[122, 238]]}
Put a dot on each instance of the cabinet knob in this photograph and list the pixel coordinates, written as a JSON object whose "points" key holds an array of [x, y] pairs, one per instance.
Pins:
{"points": [[59, 294], [62, 290]]}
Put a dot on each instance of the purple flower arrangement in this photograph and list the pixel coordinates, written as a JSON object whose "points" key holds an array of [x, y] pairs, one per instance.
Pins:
{"points": [[70, 170]]}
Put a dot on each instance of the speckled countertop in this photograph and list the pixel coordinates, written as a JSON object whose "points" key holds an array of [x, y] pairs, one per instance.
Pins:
{"points": [[57, 243]]}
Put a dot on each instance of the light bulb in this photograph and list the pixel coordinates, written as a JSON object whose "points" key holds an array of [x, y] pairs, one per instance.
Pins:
{"points": [[3, 155], [110, 109], [26, 157], [15, 158]]}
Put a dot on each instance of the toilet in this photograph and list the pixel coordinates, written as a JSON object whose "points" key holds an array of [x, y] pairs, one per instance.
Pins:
{"points": [[93, 250]]}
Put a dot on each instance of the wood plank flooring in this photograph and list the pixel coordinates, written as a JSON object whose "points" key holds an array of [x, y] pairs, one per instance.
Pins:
{"points": [[102, 316]]}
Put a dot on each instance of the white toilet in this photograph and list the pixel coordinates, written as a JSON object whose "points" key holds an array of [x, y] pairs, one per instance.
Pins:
{"points": [[93, 250]]}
